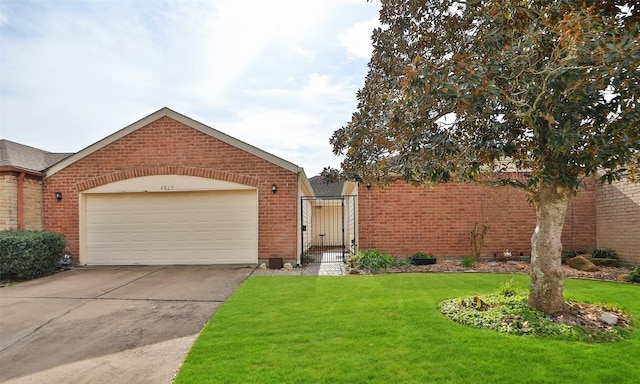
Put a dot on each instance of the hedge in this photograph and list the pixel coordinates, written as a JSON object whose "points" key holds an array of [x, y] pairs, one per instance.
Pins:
{"points": [[30, 254]]}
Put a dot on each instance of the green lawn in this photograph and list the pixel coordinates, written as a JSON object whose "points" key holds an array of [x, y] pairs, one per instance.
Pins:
{"points": [[388, 329]]}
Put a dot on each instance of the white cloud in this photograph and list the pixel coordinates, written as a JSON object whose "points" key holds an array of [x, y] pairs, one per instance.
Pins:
{"points": [[357, 39], [281, 75], [298, 125]]}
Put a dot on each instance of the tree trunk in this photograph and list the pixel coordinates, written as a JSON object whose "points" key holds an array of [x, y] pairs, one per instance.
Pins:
{"points": [[545, 288]]}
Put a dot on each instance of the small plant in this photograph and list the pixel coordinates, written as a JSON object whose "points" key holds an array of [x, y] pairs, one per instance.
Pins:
{"points": [[512, 315], [400, 262], [571, 254], [468, 262], [372, 260], [507, 288], [422, 258], [607, 253], [634, 275], [422, 255]]}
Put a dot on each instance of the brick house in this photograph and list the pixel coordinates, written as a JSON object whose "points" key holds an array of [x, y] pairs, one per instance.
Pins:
{"points": [[170, 190]]}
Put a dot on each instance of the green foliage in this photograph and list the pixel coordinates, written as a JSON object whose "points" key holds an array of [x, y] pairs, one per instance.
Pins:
{"points": [[422, 255], [372, 260], [455, 86], [570, 254], [475, 90], [511, 314], [607, 253], [400, 262], [634, 275], [507, 288], [468, 262], [29, 254], [388, 328], [596, 253]]}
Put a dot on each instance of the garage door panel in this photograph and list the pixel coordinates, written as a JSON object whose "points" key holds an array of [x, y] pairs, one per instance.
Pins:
{"points": [[172, 228]]}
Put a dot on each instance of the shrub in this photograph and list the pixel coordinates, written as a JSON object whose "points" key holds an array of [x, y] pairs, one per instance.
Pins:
{"points": [[507, 288], [604, 254], [512, 314], [468, 262], [571, 254], [634, 275], [400, 262], [372, 260], [29, 254]]}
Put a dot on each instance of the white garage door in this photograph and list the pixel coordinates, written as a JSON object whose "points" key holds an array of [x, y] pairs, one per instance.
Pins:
{"points": [[213, 227]]}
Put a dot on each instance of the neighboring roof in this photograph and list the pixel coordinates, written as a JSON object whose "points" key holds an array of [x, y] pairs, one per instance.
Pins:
{"points": [[181, 119], [28, 158], [323, 189]]}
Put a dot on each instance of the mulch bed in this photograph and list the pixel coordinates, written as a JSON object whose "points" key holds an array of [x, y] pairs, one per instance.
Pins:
{"points": [[605, 273]]}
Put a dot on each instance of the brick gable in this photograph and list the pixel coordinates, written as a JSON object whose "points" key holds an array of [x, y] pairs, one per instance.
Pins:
{"points": [[167, 146]]}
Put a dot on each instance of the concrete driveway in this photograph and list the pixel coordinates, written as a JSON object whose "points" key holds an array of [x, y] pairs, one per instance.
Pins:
{"points": [[109, 324]]}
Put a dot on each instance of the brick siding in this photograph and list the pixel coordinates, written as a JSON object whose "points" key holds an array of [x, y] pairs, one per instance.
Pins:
{"points": [[402, 219], [618, 219], [32, 209], [32, 201], [8, 201], [169, 147]]}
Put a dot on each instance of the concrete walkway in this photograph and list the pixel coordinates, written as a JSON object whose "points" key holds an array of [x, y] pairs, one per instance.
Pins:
{"points": [[312, 269], [330, 269]]}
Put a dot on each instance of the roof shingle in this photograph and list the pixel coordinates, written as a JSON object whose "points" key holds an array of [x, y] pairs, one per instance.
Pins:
{"points": [[26, 157], [322, 189]]}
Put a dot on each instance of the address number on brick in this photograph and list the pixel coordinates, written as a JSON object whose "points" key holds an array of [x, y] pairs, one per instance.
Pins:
{"points": [[166, 187]]}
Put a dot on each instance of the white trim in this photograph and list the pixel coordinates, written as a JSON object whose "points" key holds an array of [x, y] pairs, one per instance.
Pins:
{"points": [[304, 189], [167, 183]]}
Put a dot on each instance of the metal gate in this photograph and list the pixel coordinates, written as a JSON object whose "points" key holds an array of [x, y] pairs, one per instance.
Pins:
{"points": [[328, 230]]}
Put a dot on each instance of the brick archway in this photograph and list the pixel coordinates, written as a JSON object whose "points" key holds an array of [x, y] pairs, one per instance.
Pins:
{"points": [[166, 170]]}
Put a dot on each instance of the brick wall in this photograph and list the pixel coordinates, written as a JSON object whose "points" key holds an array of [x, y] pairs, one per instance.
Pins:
{"points": [[169, 147], [618, 219], [402, 219], [8, 201], [32, 201], [32, 209]]}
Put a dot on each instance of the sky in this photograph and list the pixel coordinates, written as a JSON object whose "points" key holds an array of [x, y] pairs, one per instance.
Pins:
{"points": [[281, 75]]}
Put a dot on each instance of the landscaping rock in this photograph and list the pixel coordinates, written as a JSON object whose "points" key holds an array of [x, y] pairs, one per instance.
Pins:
{"points": [[288, 266], [582, 264], [521, 266], [263, 266], [623, 277], [609, 318]]}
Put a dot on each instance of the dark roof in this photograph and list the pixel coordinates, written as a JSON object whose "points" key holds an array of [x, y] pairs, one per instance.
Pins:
{"points": [[28, 158], [322, 189]]}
